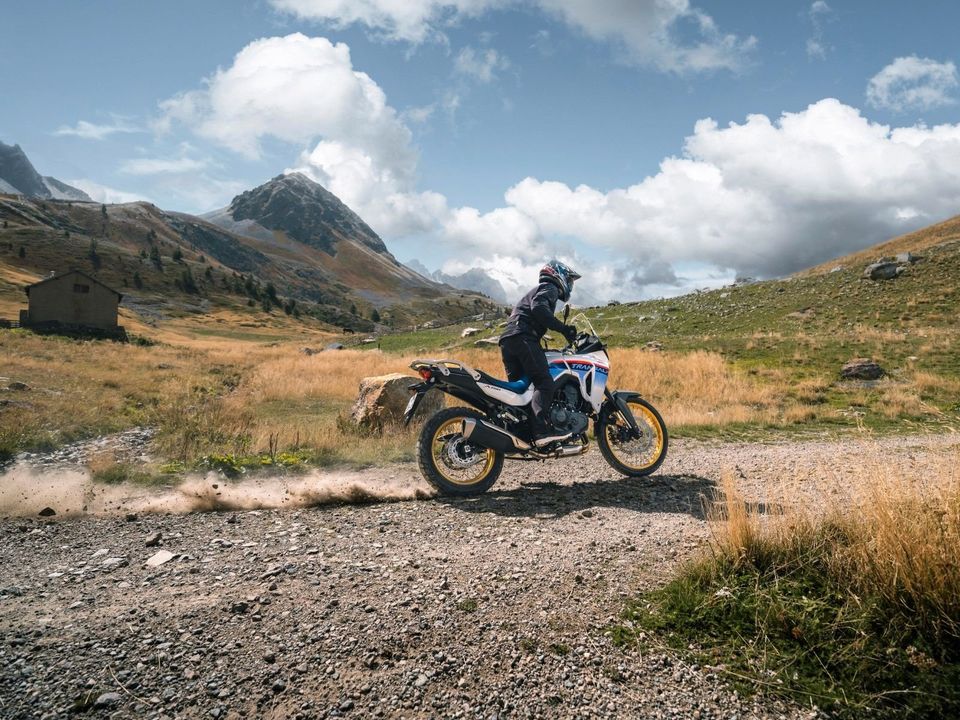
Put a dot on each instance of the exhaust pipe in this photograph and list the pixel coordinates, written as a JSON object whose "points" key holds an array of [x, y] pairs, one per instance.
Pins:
{"points": [[487, 435]]}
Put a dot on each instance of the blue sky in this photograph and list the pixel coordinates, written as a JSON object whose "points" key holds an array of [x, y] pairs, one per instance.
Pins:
{"points": [[498, 133]]}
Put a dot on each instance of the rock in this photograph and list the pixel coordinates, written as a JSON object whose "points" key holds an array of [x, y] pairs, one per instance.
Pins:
{"points": [[153, 539], [47, 512], [882, 271], [906, 257], [613, 303], [17, 385], [487, 342], [653, 346], [346, 705], [334, 346], [469, 332], [309, 350], [862, 369], [159, 558], [107, 700], [382, 401]]}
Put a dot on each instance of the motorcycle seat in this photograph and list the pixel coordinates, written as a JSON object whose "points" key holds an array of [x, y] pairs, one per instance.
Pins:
{"points": [[518, 386]]}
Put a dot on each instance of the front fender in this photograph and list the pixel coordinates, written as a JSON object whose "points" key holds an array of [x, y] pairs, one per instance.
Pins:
{"points": [[618, 401]]}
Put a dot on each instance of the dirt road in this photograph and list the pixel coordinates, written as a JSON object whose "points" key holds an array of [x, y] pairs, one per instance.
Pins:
{"points": [[496, 607]]}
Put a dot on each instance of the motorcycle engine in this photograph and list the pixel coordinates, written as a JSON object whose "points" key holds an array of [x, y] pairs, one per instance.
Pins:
{"points": [[565, 415]]}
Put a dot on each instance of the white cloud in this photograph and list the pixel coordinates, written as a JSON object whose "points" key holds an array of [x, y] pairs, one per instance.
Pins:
{"points": [[759, 198], [671, 35], [159, 166], [481, 65], [913, 83], [92, 131], [297, 89], [103, 194], [817, 14], [408, 20]]}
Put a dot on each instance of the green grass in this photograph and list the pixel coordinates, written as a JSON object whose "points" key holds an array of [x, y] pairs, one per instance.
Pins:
{"points": [[127, 473], [781, 621]]}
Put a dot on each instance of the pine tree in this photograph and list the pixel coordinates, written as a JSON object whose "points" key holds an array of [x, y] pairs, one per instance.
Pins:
{"points": [[177, 255], [375, 316], [137, 280], [155, 258], [23, 252]]}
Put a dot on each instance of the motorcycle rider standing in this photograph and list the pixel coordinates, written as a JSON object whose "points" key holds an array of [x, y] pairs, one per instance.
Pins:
{"points": [[520, 347]]}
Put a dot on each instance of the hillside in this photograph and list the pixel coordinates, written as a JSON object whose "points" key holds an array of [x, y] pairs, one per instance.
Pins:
{"points": [[915, 242], [327, 267]]}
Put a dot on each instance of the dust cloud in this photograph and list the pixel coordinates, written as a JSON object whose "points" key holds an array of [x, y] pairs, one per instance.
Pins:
{"points": [[26, 491]]}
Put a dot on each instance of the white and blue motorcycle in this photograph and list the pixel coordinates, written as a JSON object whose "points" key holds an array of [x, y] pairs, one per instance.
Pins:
{"points": [[461, 449]]}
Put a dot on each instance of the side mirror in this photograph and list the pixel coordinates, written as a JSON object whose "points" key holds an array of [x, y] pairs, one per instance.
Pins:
{"points": [[566, 312]]}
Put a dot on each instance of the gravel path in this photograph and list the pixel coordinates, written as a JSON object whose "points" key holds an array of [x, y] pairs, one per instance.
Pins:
{"points": [[495, 607]]}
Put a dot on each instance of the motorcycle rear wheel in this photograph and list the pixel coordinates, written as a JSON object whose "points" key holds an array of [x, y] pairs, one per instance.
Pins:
{"points": [[455, 466], [633, 456]]}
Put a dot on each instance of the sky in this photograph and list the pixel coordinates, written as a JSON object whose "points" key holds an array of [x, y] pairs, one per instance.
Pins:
{"points": [[657, 146]]}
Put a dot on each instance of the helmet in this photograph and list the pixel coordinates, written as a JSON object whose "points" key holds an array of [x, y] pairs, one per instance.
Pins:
{"points": [[560, 275]]}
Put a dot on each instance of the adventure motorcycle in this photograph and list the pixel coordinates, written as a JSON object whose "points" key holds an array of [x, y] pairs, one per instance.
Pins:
{"points": [[461, 450]]}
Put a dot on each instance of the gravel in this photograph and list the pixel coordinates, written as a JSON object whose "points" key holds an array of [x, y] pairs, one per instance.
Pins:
{"points": [[493, 607]]}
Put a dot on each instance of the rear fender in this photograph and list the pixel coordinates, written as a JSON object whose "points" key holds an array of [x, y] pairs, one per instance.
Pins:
{"points": [[419, 390]]}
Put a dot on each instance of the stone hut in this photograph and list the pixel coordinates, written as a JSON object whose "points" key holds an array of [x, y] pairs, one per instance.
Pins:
{"points": [[73, 300]]}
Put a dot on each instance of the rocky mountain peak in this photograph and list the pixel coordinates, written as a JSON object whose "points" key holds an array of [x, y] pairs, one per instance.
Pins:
{"points": [[18, 175], [306, 211], [17, 170]]}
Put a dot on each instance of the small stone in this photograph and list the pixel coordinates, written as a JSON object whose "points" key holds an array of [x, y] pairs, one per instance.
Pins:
{"points": [[346, 705], [107, 700], [269, 657], [421, 680], [17, 385], [586, 514], [154, 539], [279, 686], [159, 558], [47, 512]]}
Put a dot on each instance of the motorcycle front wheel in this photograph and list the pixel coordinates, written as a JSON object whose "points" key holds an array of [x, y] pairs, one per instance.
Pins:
{"points": [[631, 453], [453, 465]]}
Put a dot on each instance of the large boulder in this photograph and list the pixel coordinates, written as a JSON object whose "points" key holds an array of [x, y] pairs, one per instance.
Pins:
{"points": [[882, 271], [382, 401], [862, 369]]}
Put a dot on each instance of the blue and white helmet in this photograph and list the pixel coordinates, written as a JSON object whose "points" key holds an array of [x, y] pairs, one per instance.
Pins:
{"points": [[560, 275]]}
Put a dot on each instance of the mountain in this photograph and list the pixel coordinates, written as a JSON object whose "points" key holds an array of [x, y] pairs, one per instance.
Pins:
{"points": [[473, 279], [288, 240], [18, 176], [308, 232]]}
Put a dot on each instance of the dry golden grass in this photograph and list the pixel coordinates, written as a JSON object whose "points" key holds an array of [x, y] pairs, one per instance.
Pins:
{"points": [[212, 393], [892, 533]]}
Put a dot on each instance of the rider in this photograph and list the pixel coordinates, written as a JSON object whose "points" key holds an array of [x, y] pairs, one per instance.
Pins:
{"points": [[520, 342]]}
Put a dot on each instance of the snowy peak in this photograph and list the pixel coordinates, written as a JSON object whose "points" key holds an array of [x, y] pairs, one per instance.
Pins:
{"points": [[306, 212]]}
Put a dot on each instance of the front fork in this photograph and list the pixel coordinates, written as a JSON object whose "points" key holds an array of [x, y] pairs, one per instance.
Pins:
{"points": [[619, 401]]}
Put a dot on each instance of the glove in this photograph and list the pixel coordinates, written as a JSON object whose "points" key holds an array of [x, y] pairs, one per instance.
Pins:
{"points": [[570, 333]]}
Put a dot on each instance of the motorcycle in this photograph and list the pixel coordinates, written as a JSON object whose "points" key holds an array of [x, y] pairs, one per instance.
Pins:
{"points": [[461, 450]]}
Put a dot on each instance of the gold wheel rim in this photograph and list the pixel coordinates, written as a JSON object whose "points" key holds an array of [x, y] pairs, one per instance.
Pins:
{"points": [[651, 444], [450, 432]]}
